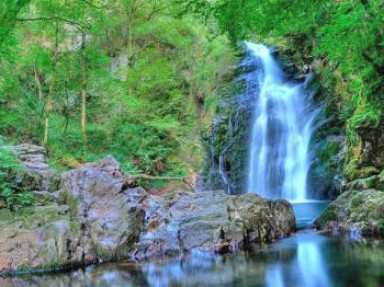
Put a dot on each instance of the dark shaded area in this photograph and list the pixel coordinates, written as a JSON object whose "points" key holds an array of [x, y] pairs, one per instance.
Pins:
{"points": [[227, 141]]}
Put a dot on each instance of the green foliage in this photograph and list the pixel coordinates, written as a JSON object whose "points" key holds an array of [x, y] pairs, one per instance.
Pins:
{"points": [[9, 10], [367, 116], [147, 69], [329, 214], [326, 155], [9, 168]]}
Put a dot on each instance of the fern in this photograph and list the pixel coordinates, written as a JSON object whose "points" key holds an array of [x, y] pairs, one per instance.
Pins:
{"points": [[9, 168]]}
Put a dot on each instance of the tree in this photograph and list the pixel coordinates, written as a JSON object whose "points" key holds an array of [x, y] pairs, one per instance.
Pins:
{"points": [[8, 13]]}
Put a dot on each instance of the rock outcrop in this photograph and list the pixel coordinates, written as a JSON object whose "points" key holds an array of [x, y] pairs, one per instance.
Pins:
{"points": [[37, 174], [211, 221], [357, 212], [95, 217]]}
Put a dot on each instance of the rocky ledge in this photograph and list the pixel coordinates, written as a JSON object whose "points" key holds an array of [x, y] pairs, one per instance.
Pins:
{"points": [[37, 175], [355, 211], [95, 216]]}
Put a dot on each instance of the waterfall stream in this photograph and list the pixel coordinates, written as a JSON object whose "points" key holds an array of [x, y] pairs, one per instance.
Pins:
{"points": [[279, 159]]}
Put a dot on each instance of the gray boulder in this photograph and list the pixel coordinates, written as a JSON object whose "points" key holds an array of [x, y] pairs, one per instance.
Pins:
{"points": [[211, 222], [94, 219]]}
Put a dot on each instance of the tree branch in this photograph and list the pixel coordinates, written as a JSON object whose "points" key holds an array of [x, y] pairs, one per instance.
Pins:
{"points": [[93, 5], [130, 180], [151, 177], [154, 11], [77, 24]]}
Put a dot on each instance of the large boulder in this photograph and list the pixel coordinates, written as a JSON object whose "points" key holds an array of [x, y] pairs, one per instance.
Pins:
{"points": [[108, 214], [34, 238], [355, 211], [211, 222], [95, 218]]}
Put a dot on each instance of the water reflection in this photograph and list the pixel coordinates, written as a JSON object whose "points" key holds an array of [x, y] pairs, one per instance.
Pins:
{"points": [[309, 268], [312, 268], [307, 259]]}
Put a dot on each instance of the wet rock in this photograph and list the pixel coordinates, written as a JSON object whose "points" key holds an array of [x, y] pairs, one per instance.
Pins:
{"points": [[211, 222], [95, 219], [355, 210], [34, 237], [372, 145]]}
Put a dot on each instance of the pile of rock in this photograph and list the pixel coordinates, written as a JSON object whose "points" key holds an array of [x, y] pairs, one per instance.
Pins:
{"points": [[37, 175], [97, 217]]}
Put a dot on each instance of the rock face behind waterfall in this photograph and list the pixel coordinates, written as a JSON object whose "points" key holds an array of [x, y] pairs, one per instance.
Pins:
{"points": [[228, 136], [96, 217]]}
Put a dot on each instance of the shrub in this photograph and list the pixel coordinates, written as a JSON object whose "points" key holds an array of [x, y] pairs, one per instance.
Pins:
{"points": [[13, 196]]}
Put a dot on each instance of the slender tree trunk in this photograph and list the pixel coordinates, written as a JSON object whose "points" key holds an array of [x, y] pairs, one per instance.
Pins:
{"points": [[38, 85], [49, 102], [47, 112], [83, 96], [131, 37], [84, 115], [130, 10]]}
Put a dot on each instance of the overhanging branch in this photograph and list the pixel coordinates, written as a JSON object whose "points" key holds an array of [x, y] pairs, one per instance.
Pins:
{"points": [[59, 19], [93, 5], [130, 180]]}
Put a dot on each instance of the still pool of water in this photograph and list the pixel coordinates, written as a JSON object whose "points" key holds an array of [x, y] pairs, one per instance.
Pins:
{"points": [[306, 211], [307, 259]]}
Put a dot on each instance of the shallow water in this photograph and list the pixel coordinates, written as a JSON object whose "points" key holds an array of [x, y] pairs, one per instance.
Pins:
{"points": [[307, 211], [307, 259]]}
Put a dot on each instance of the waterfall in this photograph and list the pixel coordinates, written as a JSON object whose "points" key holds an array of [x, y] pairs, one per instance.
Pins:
{"points": [[279, 159]]}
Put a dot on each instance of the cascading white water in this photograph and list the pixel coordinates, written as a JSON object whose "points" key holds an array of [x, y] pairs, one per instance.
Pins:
{"points": [[282, 127]]}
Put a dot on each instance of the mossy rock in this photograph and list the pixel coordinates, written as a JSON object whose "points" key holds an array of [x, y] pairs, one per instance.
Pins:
{"points": [[329, 214], [65, 197], [367, 171], [356, 200], [362, 210], [29, 180], [372, 182]]}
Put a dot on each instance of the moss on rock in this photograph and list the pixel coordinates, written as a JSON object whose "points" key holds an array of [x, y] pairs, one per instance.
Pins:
{"points": [[356, 210]]}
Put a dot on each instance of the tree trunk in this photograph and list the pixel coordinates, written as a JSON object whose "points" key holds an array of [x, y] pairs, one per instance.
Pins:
{"points": [[83, 96], [48, 104], [47, 111], [84, 115], [38, 85]]}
